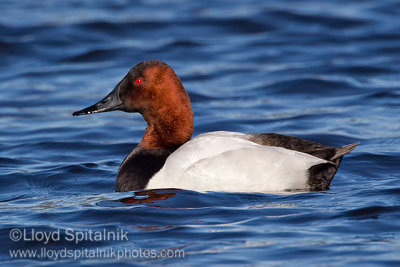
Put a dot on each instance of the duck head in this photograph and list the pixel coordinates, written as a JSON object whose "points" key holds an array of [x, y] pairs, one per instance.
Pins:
{"points": [[153, 89]]}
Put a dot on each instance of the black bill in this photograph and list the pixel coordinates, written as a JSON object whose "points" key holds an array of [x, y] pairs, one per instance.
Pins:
{"points": [[109, 103]]}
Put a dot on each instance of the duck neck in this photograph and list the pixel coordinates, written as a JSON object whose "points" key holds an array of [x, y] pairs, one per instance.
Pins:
{"points": [[168, 131]]}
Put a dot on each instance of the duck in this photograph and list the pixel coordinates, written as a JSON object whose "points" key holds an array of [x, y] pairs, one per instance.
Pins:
{"points": [[221, 161]]}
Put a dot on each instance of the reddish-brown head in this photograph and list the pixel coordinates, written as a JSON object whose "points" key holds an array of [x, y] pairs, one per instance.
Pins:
{"points": [[153, 89]]}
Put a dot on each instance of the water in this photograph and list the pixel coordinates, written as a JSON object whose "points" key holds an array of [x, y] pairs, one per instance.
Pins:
{"points": [[322, 70]]}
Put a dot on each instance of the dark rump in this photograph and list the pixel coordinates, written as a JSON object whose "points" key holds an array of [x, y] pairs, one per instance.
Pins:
{"points": [[321, 175]]}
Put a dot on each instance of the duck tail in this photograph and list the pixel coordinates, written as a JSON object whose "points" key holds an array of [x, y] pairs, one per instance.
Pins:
{"points": [[343, 150], [321, 175]]}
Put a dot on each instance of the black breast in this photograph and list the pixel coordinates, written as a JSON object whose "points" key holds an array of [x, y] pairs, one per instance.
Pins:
{"points": [[139, 166]]}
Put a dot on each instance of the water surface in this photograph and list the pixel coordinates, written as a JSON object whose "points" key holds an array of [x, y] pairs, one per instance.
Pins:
{"points": [[322, 70]]}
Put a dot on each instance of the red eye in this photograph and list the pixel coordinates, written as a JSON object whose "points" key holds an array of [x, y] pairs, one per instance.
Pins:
{"points": [[139, 81]]}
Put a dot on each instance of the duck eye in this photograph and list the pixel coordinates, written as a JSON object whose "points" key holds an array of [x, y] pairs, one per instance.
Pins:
{"points": [[139, 81]]}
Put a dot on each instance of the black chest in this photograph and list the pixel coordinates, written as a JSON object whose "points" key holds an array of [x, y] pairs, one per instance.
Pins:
{"points": [[139, 166]]}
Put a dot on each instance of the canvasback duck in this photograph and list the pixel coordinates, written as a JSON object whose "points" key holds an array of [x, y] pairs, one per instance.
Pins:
{"points": [[166, 157]]}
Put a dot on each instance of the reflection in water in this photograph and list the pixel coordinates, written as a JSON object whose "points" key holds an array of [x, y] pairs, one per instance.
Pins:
{"points": [[327, 71], [148, 196]]}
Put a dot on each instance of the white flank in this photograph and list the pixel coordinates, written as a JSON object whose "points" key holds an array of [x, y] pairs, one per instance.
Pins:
{"points": [[227, 161]]}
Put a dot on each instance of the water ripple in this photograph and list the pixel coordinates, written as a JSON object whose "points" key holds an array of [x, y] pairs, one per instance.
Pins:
{"points": [[326, 71]]}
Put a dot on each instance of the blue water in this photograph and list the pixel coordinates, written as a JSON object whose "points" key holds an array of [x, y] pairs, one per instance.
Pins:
{"points": [[322, 70]]}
